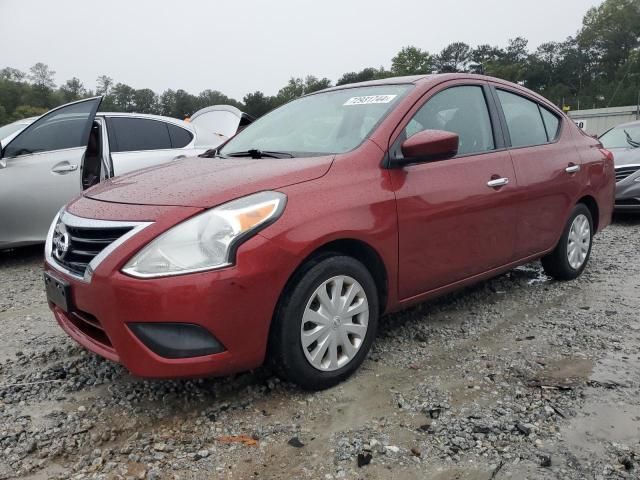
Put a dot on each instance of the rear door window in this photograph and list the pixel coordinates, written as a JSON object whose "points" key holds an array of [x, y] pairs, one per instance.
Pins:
{"points": [[524, 120], [137, 134], [179, 136]]}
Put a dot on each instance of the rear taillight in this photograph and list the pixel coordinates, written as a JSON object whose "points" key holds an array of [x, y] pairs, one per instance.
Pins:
{"points": [[607, 154]]}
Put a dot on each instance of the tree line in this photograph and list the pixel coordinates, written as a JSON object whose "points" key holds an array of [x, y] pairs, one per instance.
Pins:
{"points": [[597, 67]]}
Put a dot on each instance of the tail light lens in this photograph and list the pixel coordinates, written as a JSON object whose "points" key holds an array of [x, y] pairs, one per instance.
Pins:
{"points": [[607, 154]]}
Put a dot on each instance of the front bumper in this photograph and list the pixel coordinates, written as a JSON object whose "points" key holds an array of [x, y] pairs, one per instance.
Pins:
{"points": [[234, 304], [628, 194]]}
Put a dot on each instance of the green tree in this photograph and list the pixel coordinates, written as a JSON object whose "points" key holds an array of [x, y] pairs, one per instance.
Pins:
{"points": [[314, 84], [25, 111], [293, 89], [145, 101], [611, 31], [104, 84], [185, 104], [41, 77], [454, 57], [12, 74], [123, 97], [483, 57], [257, 103], [72, 90], [209, 97], [412, 61], [167, 102], [363, 75]]}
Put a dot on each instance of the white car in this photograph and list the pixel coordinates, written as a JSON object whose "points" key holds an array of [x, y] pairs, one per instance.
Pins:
{"points": [[72, 148], [10, 130]]}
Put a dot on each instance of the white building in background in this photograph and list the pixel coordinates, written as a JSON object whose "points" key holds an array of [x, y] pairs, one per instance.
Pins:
{"points": [[598, 120]]}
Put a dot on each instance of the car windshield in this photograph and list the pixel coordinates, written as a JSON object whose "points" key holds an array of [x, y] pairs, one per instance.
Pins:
{"points": [[323, 123], [622, 137], [11, 128]]}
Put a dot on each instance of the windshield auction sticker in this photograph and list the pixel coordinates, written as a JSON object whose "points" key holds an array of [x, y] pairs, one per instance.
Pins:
{"points": [[368, 100]]}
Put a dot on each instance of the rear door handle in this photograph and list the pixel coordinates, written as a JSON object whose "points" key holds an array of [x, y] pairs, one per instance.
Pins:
{"points": [[498, 182], [64, 168], [572, 168]]}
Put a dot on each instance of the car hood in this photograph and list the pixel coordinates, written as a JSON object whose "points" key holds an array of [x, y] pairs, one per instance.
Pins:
{"points": [[206, 182], [625, 156]]}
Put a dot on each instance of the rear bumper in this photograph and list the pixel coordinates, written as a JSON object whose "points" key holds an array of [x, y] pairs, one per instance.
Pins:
{"points": [[235, 305]]}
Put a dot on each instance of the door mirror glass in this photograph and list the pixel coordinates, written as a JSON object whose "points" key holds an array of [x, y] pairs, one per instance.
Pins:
{"points": [[428, 146], [65, 127]]}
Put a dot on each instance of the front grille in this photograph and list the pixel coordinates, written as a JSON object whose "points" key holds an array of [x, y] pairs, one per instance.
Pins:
{"points": [[624, 172], [90, 326], [86, 243], [628, 202], [73, 247]]}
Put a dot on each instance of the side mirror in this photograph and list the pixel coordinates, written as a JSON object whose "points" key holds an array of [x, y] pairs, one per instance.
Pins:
{"points": [[428, 146]]}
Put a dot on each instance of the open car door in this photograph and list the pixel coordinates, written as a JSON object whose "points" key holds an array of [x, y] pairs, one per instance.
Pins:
{"points": [[216, 124], [40, 171]]}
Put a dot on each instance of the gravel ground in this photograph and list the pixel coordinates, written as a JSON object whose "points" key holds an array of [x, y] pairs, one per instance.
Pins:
{"points": [[518, 377]]}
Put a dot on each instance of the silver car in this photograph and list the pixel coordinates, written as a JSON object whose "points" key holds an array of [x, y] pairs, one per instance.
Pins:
{"points": [[624, 142], [72, 148]]}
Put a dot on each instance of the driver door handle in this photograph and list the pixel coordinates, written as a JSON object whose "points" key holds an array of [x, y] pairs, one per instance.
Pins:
{"points": [[498, 182], [572, 168], [70, 167]]}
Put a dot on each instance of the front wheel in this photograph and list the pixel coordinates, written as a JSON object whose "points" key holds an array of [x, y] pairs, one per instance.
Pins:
{"points": [[325, 323], [571, 255]]}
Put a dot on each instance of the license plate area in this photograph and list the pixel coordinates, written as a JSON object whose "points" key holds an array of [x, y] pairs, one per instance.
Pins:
{"points": [[58, 291]]}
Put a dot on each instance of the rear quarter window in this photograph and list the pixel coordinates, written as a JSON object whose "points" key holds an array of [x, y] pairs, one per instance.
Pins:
{"points": [[551, 123], [180, 137]]}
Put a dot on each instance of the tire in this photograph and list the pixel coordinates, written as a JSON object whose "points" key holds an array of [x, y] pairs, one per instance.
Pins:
{"points": [[559, 264], [303, 302]]}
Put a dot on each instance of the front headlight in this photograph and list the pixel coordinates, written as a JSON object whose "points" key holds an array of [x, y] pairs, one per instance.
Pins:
{"points": [[208, 240]]}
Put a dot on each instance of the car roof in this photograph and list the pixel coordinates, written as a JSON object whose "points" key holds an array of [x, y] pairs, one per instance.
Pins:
{"points": [[414, 79], [436, 78], [175, 121], [380, 81], [633, 123]]}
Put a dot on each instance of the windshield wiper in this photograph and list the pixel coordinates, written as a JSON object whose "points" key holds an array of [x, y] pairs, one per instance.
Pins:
{"points": [[631, 141], [255, 153]]}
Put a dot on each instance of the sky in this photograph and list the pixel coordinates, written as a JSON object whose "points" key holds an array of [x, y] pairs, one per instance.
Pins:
{"points": [[242, 46]]}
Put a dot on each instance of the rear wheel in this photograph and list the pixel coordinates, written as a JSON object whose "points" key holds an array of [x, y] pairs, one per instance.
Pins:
{"points": [[572, 253], [325, 323]]}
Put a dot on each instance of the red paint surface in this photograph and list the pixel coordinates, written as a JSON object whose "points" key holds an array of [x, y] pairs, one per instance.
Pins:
{"points": [[435, 227]]}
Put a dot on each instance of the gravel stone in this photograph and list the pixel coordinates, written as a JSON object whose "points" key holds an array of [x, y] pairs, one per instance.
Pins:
{"points": [[518, 376]]}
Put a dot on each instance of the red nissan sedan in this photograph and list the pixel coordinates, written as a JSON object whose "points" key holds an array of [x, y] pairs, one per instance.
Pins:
{"points": [[290, 241]]}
